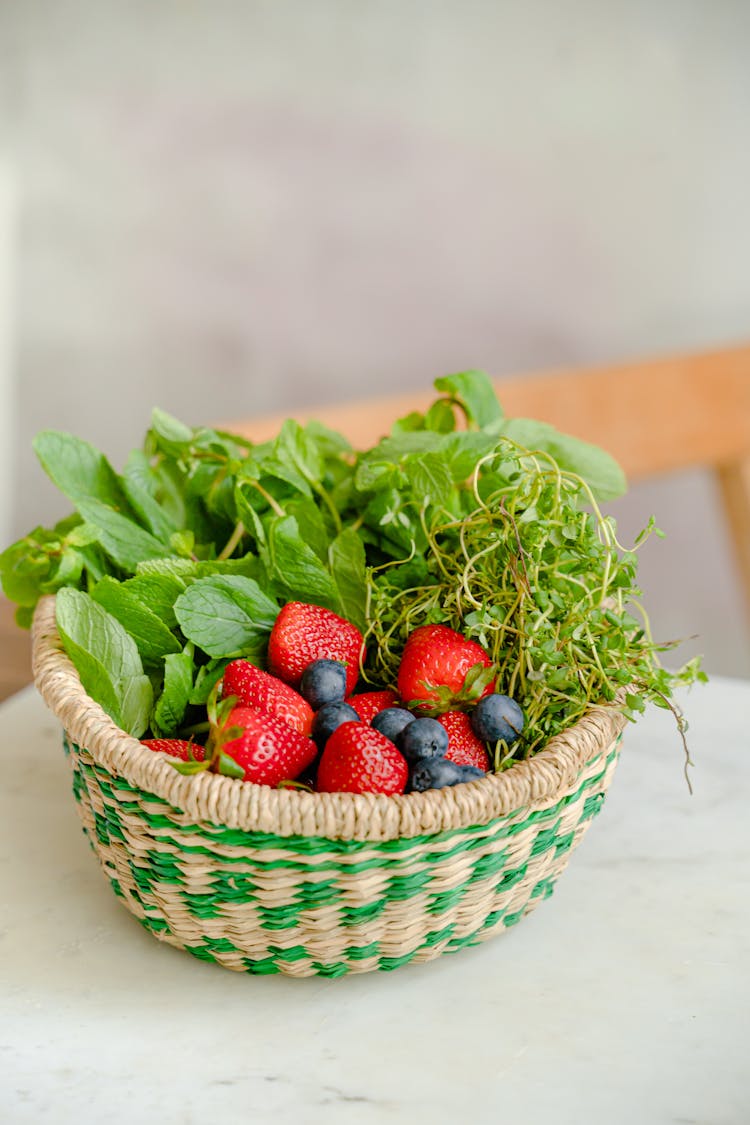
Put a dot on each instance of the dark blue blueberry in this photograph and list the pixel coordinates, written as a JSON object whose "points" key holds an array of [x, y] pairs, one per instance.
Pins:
{"points": [[437, 773], [424, 738], [323, 681], [391, 721], [497, 716], [329, 718]]}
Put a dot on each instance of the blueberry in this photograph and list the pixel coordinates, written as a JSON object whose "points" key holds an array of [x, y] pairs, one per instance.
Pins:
{"points": [[391, 721], [329, 718], [323, 681], [437, 773], [497, 716], [424, 738]]}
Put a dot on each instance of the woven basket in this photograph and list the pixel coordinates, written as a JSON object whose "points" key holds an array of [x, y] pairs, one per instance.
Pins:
{"points": [[283, 881]]}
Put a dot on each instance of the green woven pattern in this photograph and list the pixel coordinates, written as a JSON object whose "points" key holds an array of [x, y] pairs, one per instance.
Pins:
{"points": [[262, 903]]}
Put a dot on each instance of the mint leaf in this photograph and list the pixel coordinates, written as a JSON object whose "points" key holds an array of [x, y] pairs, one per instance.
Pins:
{"points": [[599, 469], [125, 542], [440, 417], [186, 570], [106, 659], [347, 556], [159, 592], [373, 474], [462, 451], [474, 393], [81, 536], [429, 477], [137, 485], [226, 615], [173, 435], [26, 565], [294, 568], [277, 469], [175, 697], [66, 572], [45, 560], [153, 638], [396, 524], [79, 470], [330, 443], [182, 569], [311, 525], [379, 468], [206, 679], [295, 448]]}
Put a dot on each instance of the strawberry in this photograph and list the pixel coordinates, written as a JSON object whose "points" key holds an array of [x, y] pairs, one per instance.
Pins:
{"points": [[303, 633], [176, 748], [464, 748], [440, 668], [359, 759], [368, 704], [257, 689], [267, 749]]}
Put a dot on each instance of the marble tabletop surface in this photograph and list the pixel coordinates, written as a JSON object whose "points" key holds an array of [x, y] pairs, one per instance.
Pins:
{"points": [[624, 999]]}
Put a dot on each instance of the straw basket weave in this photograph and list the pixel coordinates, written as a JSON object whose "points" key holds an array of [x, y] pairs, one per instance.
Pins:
{"points": [[284, 881]]}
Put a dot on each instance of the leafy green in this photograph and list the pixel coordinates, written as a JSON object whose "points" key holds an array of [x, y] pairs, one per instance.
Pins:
{"points": [[474, 393], [124, 541], [77, 469], [349, 568], [138, 486], [297, 573], [153, 638], [226, 615], [175, 696], [106, 658], [598, 469], [159, 592]]}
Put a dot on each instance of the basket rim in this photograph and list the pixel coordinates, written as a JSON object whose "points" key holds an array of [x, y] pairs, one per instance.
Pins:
{"points": [[230, 803]]}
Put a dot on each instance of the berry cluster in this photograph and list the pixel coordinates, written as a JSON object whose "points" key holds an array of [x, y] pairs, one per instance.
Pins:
{"points": [[301, 720]]}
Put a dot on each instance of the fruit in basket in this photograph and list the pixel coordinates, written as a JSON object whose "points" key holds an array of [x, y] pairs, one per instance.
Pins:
{"points": [[329, 718], [437, 773], [424, 738], [497, 717], [440, 666], [464, 748], [368, 704], [176, 748], [323, 681], [255, 688], [391, 721], [359, 759], [304, 633], [264, 747]]}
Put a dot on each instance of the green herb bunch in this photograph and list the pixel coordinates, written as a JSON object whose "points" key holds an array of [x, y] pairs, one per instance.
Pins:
{"points": [[462, 516]]}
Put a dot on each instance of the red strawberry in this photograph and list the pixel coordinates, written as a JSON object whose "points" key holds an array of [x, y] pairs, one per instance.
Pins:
{"points": [[370, 703], [255, 688], [268, 750], [176, 748], [359, 759], [464, 748], [434, 665], [303, 633]]}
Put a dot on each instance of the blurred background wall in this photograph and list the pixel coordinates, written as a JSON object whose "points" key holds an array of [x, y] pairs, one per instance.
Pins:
{"points": [[228, 208]]}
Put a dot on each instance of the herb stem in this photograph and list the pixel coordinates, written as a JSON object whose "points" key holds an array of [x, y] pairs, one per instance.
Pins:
{"points": [[233, 542], [269, 499]]}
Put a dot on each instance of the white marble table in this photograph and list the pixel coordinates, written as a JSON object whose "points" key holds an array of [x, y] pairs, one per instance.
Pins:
{"points": [[624, 1000]]}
